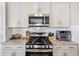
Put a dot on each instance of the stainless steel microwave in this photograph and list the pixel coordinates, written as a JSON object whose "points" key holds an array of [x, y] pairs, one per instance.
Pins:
{"points": [[39, 21]]}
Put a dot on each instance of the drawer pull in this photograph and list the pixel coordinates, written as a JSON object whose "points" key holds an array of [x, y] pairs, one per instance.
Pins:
{"points": [[58, 47], [7, 47], [71, 47], [19, 47]]}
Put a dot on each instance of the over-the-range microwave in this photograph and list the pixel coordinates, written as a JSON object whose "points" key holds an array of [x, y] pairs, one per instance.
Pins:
{"points": [[38, 21]]}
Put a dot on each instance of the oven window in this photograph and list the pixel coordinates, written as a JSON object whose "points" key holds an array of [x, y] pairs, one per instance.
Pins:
{"points": [[39, 54]]}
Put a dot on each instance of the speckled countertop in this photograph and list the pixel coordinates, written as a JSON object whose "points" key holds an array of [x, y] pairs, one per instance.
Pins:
{"points": [[25, 41], [15, 42], [62, 42]]}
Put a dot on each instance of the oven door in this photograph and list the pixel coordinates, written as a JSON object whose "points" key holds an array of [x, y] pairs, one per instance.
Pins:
{"points": [[39, 52]]}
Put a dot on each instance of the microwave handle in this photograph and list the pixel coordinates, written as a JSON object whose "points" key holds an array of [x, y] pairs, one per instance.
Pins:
{"points": [[44, 20]]}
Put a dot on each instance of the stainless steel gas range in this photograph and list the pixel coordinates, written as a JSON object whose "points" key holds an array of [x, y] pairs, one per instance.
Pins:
{"points": [[39, 45]]}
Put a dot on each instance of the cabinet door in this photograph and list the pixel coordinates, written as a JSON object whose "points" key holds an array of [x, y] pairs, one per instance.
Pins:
{"points": [[20, 52], [65, 52], [12, 14], [32, 7], [9, 52], [0, 52], [60, 15], [24, 10], [78, 49], [44, 7], [14, 52], [59, 52], [0, 49], [71, 52], [17, 14], [74, 13]]}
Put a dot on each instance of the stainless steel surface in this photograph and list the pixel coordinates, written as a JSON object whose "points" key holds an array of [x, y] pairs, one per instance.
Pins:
{"points": [[38, 15], [38, 34], [63, 35], [39, 46], [39, 50], [38, 25], [38, 21]]}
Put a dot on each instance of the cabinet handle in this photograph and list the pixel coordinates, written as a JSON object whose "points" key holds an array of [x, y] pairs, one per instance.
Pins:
{"points": [[58, 47], [19, 47], [71, 47], [7, 47], [59, 22]]}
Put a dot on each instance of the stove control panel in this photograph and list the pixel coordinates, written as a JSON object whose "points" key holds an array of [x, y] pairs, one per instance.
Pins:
{"points": [[39, 46]]}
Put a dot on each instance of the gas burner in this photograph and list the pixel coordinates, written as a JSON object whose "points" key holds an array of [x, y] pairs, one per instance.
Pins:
{"points": [[39, 42]]}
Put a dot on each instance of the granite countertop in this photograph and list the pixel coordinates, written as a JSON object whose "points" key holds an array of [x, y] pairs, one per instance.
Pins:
{"points": [[25, 41], [15, 42], [62, 42]]}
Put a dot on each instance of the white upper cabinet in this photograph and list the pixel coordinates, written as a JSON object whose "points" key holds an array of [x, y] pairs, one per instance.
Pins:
{"points": [[32, 7], [18, 12], [74, 13], [44, 7], [60, 15], [38, 7], [12, 14]]}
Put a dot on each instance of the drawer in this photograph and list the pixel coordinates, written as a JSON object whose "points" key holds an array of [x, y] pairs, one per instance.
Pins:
{"points": [[13, 47], [71, 46], [57, 46], [65, 46]]}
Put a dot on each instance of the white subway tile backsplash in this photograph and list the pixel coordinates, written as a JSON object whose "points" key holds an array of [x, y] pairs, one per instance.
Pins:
{"points": [[36, 29]]}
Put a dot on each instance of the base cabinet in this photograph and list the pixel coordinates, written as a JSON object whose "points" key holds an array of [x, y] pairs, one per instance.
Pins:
{"points": [[9, 52], [71, 52], [58, 52], [14, 52], [0, 51], [78, 50], [20, 52], [64, 53], [65, 50]]}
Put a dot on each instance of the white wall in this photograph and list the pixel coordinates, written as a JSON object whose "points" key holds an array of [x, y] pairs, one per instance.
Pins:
{"points": [[1, 17], [75, 33]]}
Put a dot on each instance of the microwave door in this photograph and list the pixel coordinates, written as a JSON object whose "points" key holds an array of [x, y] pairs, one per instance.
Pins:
{"points": [[38, 21]]}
